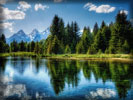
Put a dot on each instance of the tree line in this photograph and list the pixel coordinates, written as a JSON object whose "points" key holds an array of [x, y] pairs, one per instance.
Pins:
{"points": [[114, 38]]}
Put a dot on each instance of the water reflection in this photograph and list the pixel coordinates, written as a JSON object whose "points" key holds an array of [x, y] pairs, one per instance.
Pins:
{"points": [[35, 78]]}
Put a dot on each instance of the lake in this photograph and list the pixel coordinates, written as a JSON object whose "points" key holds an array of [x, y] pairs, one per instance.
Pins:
{"points": [[26, 78]]}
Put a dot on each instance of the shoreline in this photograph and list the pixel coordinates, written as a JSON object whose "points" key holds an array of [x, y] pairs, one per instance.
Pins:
{"points": [[92, 59], [99, 57]]}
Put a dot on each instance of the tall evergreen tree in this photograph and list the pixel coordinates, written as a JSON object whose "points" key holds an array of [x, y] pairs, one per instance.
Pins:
{"points": [[32, 46], [14, 46], [22, 46], [74, 36], [85, 41], [100, 42], [56, 46], [54, 29], [37, 48], [61, 31], [3, 45], [102, 25], [121, 31], [67, 35], [106, 34], [2, 38], [95, 29]]}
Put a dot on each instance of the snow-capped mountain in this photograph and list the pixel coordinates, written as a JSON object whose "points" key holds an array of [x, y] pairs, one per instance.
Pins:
{"points": [[45, 33], [35, 35], [19, 36]]}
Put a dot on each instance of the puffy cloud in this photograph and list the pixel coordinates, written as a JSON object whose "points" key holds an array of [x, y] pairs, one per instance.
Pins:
{"points": [[103, 93], [7, 25], [40, 6], [23, 6], [7, 14], [99, 9], [125, 11]]}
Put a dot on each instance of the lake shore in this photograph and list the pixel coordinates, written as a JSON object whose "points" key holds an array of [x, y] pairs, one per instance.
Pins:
{"points": [[122, 57]]}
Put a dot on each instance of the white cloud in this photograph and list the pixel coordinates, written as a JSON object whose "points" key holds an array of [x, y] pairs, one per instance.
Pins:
{"points": [[125, 11], [7, 14], [40, 6], [103, 93], [7, 25], [23, 6], [99, 9]]}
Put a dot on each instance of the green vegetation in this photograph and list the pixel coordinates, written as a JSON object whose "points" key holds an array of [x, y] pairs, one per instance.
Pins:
{"points": [[69, 56], [88, 56], [68, 72], [23, 54], [115, 38]]}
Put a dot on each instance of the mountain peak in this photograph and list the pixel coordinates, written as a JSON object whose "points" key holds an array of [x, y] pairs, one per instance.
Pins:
{"points": [[34, 31], [19, 36], [35, 35], [20, 31]]}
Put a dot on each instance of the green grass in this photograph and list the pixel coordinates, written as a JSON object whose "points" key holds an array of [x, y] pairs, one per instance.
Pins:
{"points": [[90, 56], [23, 54], [27, 54]]}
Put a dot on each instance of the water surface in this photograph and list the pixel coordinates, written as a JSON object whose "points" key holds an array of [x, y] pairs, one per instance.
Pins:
{"points": [[47, 79]]}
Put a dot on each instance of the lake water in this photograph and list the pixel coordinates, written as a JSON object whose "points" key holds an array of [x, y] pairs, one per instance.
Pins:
{"points": [[49, 79]]}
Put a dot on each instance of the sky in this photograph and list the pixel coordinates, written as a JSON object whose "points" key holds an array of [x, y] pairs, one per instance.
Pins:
{"points": [[39, 15]]}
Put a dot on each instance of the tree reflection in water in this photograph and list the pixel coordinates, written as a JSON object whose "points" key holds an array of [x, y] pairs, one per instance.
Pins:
{"points": [[67, 71], [62, 72]]}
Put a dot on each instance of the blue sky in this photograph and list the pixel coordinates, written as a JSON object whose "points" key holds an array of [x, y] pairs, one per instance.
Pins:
{"points": [[37, 15]]}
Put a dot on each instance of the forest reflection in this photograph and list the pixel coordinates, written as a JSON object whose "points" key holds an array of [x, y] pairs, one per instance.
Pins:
{"points": [[62, 72], [67, 71]]}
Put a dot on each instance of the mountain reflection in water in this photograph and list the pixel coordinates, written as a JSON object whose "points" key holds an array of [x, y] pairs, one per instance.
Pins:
{"points": [[34, 78]]}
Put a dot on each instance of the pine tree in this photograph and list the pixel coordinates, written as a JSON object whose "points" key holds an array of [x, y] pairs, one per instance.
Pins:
{"points": [[106, 34], [32, 46], [67, 49], [95, 29], [61, 31], [2, 38], [121, 30], [22, 46], [80, 48], [54, 29], [67, 35], [102, 25], [85, 41], [48, 44], [100, 42], [3, 44], [74, 36], [14, 46], [125, 47], [37, 48], [29, 47], [56, 47]]}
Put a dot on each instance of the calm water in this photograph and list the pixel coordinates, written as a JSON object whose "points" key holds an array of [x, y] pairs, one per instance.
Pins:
{"points": [[47, 79]]}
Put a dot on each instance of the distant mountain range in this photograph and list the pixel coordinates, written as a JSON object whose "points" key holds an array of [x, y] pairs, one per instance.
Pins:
{"points": [[35, 35]]}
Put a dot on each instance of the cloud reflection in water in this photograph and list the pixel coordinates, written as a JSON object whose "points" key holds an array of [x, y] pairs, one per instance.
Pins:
{"points": [[101, 93]]}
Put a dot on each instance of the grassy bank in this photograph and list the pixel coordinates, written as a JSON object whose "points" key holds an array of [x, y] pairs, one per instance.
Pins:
{"points": [[68, 56], [22, 54], [90, 56]]}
